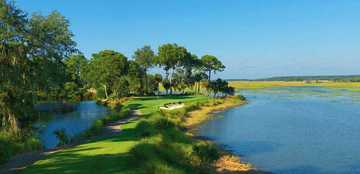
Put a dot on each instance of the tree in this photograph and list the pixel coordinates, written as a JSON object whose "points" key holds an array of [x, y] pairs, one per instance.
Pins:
{"points": [[211, 64], [121, 87], [31, 54], [217, 86], [75, 68], [104, 68], [135, 78], [157, 79], [145, 58], [179, 80], [197, 78], [166, 84], [229, 90], [50, 43], [154, 81], [72, 92], [170, 57]]}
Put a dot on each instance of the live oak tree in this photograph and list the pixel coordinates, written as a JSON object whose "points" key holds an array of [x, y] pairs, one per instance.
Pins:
{"points": [[104, 68], [211, 64]]}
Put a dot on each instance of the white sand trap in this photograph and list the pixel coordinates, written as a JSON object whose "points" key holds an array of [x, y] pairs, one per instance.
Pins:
{"points": [[172, 106]]}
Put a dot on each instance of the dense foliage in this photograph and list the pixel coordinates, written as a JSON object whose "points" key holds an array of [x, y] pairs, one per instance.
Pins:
{"points": [[32, 50], [39, 62]]}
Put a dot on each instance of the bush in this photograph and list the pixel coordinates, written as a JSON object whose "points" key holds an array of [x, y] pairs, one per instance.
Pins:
{"points": [[241, 97], [207, 153], [163, 123], [62, 137], [6, 150], [145, 129], [143, 152], [11, 145]]}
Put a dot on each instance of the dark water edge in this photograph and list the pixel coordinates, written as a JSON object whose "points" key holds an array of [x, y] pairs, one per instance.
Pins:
{"points": [[56, 107], [73, 122], [293, 130]]}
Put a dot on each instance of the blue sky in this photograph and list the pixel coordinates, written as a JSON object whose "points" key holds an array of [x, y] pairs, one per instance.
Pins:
{"points": [[253, 38]]}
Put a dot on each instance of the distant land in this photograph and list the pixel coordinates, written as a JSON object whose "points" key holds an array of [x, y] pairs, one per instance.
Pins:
{"points": [[347, 78]]}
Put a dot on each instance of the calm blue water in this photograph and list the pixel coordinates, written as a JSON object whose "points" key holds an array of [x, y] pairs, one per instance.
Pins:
{"points": [[73, 122], [296, 130]]}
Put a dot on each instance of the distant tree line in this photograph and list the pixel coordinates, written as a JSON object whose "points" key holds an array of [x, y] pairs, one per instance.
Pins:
{"points": [[336, 78]]}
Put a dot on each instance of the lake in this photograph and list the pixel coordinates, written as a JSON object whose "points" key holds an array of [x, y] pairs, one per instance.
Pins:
{"points": [[293, 130], [74, 123]]}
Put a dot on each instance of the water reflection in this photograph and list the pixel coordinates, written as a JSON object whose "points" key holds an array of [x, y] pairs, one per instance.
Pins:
{"points": [[73, 122]]}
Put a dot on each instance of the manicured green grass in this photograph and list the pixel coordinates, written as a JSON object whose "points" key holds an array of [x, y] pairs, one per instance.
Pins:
{"points": [[154, 147], [148, 105]]}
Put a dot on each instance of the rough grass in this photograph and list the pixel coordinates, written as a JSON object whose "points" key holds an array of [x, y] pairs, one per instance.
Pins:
{"points": [[152, 144]]}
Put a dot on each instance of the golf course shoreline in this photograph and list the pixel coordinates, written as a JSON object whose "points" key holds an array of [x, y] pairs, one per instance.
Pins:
{"points": [[228, 161]]}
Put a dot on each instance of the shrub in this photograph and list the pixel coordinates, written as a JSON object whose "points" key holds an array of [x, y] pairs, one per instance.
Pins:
{"points": [[96, 128], [207, 153], [6, 150], [163, 123], [143, 152], [241, 97], [145, 129], [13, 144], [62, 137]]}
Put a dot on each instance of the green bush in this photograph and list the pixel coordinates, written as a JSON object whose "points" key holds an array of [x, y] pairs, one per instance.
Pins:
{"points": [[164, 124], [241, 97], [96, 128], [11, 145], [145, 129], [143, 152], [207, 153], [62, 137], [6, 150]]}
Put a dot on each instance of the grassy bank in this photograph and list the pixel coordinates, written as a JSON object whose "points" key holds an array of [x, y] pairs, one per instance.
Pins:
{"points": [[155, 143], [353, 86], [203, 113]]}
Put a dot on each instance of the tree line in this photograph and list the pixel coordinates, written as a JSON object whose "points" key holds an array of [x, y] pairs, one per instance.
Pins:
{"points": [[113, 75]]}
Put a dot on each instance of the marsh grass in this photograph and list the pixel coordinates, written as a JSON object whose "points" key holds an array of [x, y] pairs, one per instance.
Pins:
{"points": [[353, 86]]}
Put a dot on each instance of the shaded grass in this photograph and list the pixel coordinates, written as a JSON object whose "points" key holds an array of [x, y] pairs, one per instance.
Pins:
{"points": [[11, 144]]}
